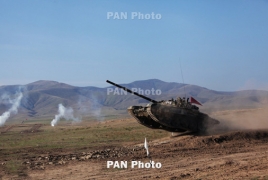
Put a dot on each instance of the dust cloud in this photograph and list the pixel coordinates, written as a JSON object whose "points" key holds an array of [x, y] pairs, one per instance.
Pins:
{"points": [[245, 119]]}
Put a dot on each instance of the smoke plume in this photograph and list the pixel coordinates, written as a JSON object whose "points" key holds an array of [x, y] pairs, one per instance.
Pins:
{"points": [[90, 107], [13, 110], [96, 108], [66, 113]]}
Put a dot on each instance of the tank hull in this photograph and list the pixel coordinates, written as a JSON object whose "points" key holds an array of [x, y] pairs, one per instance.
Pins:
{"points": [[171, 118], [141, 115]]}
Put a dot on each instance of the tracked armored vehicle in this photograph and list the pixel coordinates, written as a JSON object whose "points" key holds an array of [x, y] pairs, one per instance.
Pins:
{"points": [[171, 115]]}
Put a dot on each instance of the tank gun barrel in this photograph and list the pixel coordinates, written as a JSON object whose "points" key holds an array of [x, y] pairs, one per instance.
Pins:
{"points": [[128, 90]]}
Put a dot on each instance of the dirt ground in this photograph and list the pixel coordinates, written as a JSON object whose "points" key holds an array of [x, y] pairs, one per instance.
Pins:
{"points": [[232, 155], [224, 153]]}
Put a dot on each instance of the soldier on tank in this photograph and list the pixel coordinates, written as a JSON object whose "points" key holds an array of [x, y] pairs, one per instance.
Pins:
{"points": [[179, 101], [183, 102]]}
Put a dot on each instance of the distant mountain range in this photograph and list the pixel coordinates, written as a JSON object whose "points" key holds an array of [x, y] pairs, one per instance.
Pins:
{"points": [[41, 98]]}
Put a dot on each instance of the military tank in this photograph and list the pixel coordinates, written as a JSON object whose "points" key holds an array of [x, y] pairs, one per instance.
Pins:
{"points": [[178, 115]]}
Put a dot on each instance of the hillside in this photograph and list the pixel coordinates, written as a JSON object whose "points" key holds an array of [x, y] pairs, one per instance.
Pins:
{"points": [[41, 98]]}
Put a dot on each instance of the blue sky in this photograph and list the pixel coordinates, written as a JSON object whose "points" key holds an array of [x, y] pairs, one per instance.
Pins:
{"points": [[221, 45]]}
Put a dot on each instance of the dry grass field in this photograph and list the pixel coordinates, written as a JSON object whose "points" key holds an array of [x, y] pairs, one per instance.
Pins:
{"points": [[237, 149]]}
